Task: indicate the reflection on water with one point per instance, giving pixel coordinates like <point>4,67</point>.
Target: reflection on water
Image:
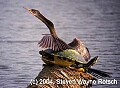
<point>96,22</point>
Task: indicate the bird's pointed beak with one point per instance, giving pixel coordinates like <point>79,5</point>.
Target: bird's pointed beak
<point>28,10</point>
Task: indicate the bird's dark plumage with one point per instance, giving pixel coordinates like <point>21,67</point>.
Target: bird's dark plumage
<point>54,42</point>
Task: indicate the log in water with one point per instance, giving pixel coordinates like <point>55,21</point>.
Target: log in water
<point>61,77</point>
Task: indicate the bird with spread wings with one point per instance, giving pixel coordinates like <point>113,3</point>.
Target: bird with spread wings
<point>52,41</point>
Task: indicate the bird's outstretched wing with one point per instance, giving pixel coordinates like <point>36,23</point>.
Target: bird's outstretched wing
<point>53,43</point>
<point>81,48</point>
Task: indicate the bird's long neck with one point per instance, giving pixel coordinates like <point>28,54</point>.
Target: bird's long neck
<point>48,23</point>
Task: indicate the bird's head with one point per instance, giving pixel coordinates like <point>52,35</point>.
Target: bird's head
<point>32,11</point>
<point>37,14</point>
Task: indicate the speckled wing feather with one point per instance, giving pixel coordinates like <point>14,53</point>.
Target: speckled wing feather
<point>81,48</point>
<point>53,43</point>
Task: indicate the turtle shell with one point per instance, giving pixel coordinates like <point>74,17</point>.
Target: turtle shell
<point>69,54</point>
<point>67,58</point>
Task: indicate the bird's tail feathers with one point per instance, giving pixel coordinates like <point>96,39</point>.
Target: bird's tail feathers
<point>98,74</point>
<point>92,62</point>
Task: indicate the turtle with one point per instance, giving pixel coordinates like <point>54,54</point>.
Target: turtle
<point>65,59</point>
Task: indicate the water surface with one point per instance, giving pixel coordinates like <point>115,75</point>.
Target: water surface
<point>95,22</point>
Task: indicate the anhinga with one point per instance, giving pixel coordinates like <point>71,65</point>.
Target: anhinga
<point>53,42</point>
